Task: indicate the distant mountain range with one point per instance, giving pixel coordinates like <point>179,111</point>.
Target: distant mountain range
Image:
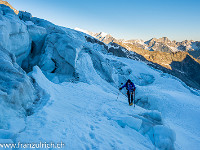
<point>162,44</point>
<point>181,59</point>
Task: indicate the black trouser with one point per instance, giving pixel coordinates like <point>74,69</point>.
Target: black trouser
<point>130,94</point>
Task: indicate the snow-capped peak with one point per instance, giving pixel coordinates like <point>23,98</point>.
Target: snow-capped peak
<point>81,30</point>
<point>104,34</point>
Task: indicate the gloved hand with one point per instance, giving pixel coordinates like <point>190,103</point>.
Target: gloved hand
<point>120,89</point>
<point>133,89</point>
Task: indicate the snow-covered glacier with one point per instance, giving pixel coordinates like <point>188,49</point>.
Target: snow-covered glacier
<point>61,85</point>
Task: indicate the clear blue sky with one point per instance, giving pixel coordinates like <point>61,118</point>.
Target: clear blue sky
<point>129,19</point>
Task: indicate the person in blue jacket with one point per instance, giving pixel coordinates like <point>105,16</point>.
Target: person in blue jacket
<point>130,88</point>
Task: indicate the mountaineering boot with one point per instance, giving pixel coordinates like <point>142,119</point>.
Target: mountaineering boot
<point>131,104</point>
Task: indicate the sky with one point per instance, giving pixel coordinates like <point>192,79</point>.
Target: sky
<point>124,19</point>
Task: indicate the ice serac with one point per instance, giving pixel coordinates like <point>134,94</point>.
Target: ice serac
<point>58,51</point>
<point>14,34</point>
<point>16,87</point>
<point>37,35</point>
<point>16,91</point>
<point>25,16</point>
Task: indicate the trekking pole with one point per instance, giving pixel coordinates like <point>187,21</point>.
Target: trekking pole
<point>134,98</point>
<point>118,92</point>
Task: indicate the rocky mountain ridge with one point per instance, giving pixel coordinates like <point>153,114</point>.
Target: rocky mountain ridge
<point>163,44</point>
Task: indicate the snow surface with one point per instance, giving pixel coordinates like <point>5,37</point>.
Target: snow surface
<point>103,34</point>
<point>174,49</point>
<point>92,116</point>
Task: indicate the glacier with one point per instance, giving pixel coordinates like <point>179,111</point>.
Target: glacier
<point>61,85</point>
